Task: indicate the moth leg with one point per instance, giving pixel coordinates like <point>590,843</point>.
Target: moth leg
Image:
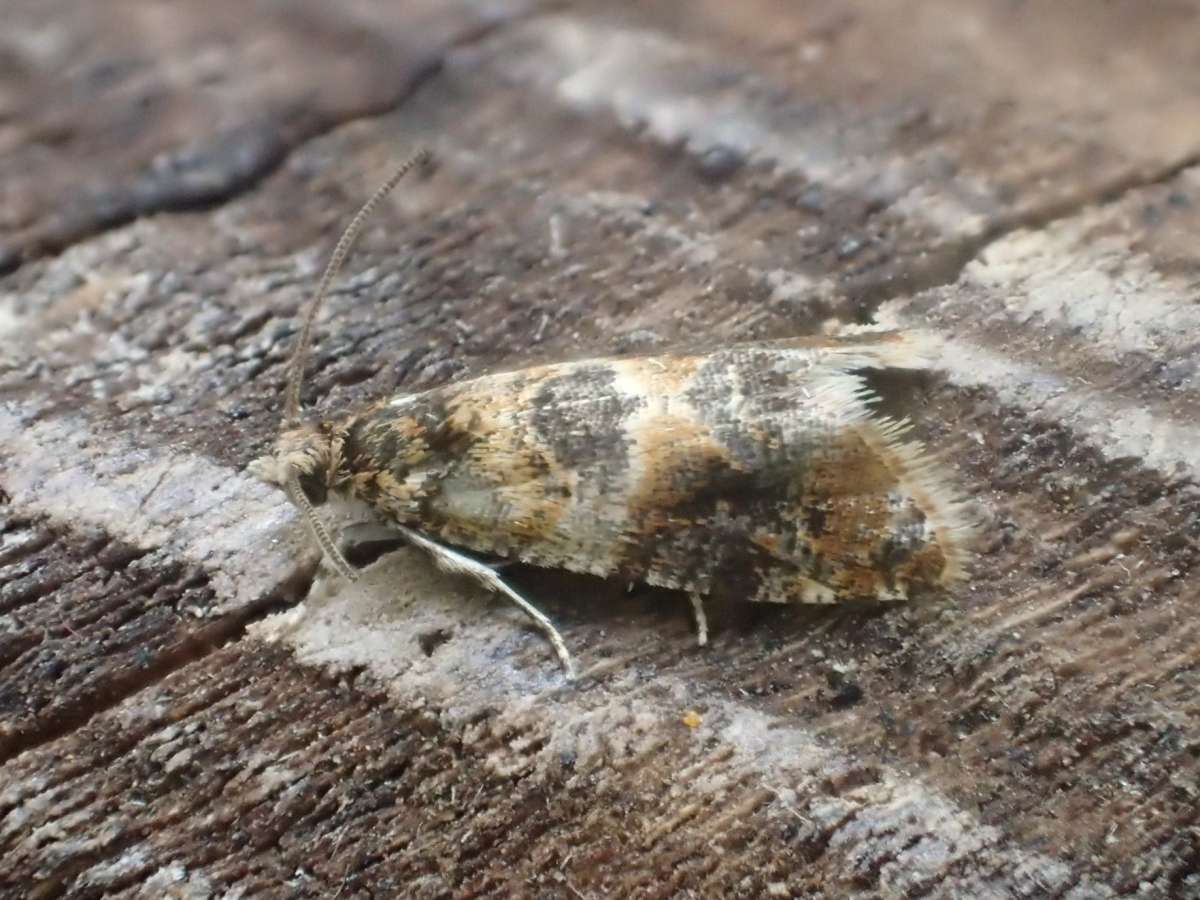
<point>453,561</point>
<point>701,619</point>
<point>359,533</point>
<point>364,533</point>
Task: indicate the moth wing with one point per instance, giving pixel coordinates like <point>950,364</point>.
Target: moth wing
<point>756,471</point>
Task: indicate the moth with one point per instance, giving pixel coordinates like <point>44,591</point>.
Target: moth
<point>756,471</point>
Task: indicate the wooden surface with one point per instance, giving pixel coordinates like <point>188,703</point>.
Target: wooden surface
<point>184,712</point>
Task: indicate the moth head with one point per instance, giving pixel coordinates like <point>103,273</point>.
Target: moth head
<point>308,464</point>
<point>308,461</point>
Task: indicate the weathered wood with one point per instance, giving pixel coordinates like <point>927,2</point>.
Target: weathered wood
<point>127,109</point>
<point>1018,178</point>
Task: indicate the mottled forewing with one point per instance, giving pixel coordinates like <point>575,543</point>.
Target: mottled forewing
<point>755,472</point>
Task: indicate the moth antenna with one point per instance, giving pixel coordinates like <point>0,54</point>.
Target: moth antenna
<point>340,252</point>
<point>319,532</point>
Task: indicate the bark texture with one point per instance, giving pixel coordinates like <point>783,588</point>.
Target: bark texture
<point>186,711</point>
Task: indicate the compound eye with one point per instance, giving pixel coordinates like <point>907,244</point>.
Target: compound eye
<point>314,489</point>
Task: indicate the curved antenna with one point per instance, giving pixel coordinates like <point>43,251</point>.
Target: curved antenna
<point>319,532</point>
<point>291,409</point>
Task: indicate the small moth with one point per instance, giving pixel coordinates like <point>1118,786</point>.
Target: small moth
<point>757,471</point>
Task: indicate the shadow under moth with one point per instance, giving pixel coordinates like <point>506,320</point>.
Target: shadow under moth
<point>757,472</point>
